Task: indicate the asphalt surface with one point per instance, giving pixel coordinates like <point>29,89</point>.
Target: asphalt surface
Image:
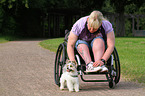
<point>26,69</point>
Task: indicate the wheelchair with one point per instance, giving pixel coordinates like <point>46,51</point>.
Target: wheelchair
<point>113,65</point>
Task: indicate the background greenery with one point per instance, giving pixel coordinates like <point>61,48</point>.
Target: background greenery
<point>131,54</point>
<point>27,17</point>
<point>132,57</point>
<point>3,40</point>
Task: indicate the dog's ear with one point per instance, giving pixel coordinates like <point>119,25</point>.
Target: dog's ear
<point>66,61</point>
<point>64,67</point>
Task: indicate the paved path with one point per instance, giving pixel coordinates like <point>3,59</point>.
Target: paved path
<point>26,69</point>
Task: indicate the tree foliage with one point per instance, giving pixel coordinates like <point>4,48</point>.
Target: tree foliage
<point>120,5</point>
<point>11,3</point>
<point>15,12</point>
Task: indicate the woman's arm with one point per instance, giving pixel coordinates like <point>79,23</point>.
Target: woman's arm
<point>70,46</point>
<point>110,45</point>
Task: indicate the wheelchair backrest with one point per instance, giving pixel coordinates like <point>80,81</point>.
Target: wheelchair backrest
<point>66,35</point>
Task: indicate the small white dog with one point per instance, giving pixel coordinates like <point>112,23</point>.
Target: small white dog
<point>69,77</point>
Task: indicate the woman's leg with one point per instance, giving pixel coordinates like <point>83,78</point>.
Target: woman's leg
<point>98,48</point>
<point>83,50</point>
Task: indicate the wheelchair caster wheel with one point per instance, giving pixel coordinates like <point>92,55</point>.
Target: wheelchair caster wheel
<point>78,67</point>
<point>112,84</point>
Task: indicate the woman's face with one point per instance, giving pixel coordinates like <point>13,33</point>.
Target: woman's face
<point>91,29</point>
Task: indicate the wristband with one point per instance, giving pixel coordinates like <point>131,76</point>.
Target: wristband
<point>103,61</point>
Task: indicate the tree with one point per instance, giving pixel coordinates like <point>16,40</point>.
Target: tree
<point>8,13</point>
<point>17,9</point>
<point>119,6</point>
<point>11,3</point>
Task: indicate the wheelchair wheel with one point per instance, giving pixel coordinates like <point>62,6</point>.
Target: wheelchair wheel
<point>115,69</point>
<point>59,63</point>
<point>112,84</point>
<point>117,66</point>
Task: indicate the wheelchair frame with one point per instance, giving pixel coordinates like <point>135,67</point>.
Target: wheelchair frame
<point>113,65</point>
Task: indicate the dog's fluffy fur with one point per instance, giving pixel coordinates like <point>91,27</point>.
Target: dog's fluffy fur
<point>70,77</point>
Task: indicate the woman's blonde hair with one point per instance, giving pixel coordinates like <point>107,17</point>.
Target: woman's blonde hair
<point>95,19</point>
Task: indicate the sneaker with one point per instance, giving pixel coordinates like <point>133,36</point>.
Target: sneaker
<point>104,69</point>
<point>91,68</point>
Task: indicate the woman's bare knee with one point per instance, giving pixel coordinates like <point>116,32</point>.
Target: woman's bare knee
<point>98,45</point>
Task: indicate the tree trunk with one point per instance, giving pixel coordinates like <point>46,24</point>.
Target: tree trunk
<point>120,25</point>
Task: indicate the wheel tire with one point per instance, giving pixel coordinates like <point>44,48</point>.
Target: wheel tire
<point>112,84</point>
<point>117,66</point>
<point>59,63</point>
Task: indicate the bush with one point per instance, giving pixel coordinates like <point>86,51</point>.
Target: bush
<point>9,27</point>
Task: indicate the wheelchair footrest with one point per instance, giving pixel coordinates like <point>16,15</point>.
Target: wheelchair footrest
<point>87,80</point>
<point>108,79</point>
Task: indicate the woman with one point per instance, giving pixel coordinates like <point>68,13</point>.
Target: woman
<point>86,34</point>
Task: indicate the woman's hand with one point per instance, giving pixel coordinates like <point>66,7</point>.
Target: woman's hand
<point>98,63</point>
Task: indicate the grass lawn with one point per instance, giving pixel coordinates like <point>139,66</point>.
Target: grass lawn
<point>51,44</point>
<point>132,57</point>
<point>3,40</point>
<point>131,53</point>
